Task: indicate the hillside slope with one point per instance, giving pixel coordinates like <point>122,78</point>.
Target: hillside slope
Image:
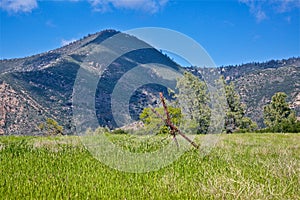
<point>41,86</point>
<point>47,80</point>
<point>258,82</point>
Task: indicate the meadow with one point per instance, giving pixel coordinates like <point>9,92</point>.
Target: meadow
<point>240,166</point>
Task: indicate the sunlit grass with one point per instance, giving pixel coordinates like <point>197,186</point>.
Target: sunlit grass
<point>241,166</point>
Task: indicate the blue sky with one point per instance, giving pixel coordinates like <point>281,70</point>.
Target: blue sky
<point>232,32</point>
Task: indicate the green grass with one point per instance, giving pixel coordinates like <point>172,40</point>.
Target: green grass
<point>241,166</point>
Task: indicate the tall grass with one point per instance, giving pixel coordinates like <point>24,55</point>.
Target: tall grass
<point>244,166</point>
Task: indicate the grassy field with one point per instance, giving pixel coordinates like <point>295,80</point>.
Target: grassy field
<point>241,166</point>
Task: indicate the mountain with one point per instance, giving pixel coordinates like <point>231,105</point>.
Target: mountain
<point>41,86</point>
<point>260,81</point>
<point>38,87</point>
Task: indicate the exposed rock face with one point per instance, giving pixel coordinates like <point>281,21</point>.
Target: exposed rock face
<point>133,126</point>
<point>296,105</point>
<point>18,112</point>
<point>296,102</point>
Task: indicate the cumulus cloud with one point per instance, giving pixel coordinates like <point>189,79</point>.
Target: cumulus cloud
<point>150,6</point>
<point>16,6</point>
<point>259,8</point>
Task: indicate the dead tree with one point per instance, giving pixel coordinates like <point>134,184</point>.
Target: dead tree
<point>173,129</point>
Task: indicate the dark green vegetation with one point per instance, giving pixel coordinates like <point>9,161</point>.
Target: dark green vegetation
<point>279,117</point>
<point>241,166</point>
<point>236,119</point>
<point>193,99</point>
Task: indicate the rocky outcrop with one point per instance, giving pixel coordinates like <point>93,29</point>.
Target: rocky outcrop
<point>19,113</point>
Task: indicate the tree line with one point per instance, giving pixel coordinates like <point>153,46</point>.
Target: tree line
<point>192,110</point>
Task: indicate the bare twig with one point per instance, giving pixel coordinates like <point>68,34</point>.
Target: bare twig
<point>170,125</point>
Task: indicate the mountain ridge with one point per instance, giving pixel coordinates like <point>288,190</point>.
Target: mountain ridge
<point>40,86</point>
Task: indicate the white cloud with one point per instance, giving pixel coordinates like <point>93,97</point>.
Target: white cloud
<point>66,42</point>
<point>15,6</point>
<point>284,6</point>
<point>50,24</point>
<point>150,6</point>
<point>259,8</point>
<point>256,9</point>
<point>260,15</point>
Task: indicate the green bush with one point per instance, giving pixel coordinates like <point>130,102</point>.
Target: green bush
<point>154,123</point>
<point>119,131</point>
<point>51,127</point>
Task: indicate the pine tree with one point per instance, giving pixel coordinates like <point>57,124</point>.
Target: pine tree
<point>235,119</point>
<point>278,117</point>
<point>194,102</point>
